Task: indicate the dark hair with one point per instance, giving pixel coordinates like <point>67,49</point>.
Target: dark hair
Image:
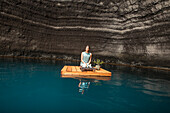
<point>88,46</point>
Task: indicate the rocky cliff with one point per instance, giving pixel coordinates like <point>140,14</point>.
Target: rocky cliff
<point>123,31</point>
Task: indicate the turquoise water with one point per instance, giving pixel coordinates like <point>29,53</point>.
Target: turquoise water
<point>35,86</point>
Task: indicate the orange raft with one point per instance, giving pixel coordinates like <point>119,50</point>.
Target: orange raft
<point>75,70</point>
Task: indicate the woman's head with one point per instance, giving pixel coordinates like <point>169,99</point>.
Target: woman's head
<point>87,48</point>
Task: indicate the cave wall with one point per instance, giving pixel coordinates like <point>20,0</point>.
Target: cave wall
<point>122,31</point>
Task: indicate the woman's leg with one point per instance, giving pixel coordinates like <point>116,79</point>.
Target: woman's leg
<point>89,65</point>
<point>83,65</point>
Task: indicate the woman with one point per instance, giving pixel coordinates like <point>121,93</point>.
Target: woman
<point>86,57</point>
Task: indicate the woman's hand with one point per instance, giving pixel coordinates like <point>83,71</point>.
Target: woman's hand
<point>85,63</point>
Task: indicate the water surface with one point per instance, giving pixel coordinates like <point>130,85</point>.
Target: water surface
<point>36,86</point>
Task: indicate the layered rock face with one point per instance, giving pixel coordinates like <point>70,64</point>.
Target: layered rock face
<point>128,31</point>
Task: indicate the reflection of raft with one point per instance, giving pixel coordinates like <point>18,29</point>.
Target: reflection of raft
<point>76,71</point>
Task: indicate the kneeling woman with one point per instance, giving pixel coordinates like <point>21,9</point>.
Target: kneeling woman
<point>86,57</point>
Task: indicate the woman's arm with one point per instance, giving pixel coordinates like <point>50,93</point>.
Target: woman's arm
<point>90,58</point>
<point>82,57</point>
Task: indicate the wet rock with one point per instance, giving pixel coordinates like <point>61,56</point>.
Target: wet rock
<point>121,31</point>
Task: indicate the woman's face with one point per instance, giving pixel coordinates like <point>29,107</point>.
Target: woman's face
<point>87,48</point>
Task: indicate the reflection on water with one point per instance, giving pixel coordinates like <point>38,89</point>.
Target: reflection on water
<point>157,87</point>
<point>148,81</point>
<point>83,85</point>
<point>85,81</point>
<point>35,85</point>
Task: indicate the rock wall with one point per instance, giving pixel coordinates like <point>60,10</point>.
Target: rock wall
<point>122,31</point>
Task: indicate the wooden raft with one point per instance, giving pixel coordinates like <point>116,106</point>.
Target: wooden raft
<point>75,71</point>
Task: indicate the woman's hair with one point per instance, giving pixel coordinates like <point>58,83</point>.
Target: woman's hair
<point>88,46</point>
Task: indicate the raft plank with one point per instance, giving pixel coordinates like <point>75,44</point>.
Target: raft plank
<point>78,68</point>
<point>89,77</point>
<point>75,70</point>
<point>103,70</point>
<point>69,69</point>
<point>64,68</point>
